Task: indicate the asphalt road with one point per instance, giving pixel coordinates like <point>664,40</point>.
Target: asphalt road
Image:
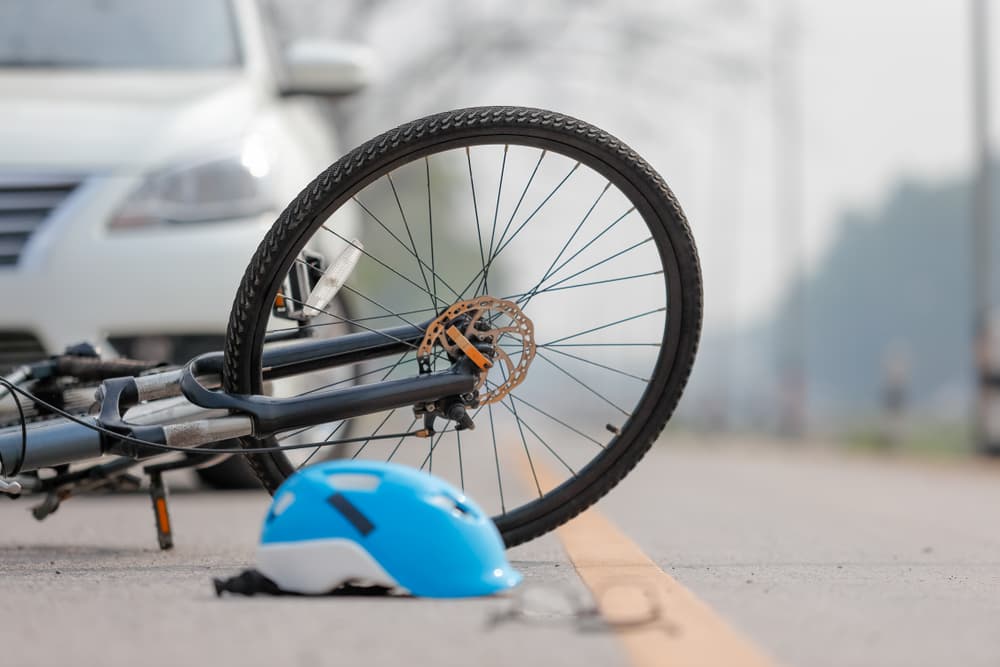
<point>818,559</point>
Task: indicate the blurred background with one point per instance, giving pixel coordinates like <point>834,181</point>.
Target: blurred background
<point>833,159</point>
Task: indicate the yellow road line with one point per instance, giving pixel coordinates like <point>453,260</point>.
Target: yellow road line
<point>627,586</point>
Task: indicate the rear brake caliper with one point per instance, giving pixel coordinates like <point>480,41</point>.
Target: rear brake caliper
<point>490,333</point>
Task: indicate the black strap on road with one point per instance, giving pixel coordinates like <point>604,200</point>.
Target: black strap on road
<point>252,582</point>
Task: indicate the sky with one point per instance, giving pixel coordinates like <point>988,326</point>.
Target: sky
<point>884,96</point>
<point>887,97</point>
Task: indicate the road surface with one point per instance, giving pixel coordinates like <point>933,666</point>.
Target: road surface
<point>810,558</point>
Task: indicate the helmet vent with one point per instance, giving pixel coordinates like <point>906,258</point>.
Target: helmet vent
<point>449,504</point>
<point>283,502</point>
<point>354,481</point>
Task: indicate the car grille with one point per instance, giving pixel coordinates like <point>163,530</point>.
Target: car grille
<point>18,348</point>
<point>25,202</point>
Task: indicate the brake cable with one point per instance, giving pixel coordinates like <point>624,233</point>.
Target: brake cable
<point>24,427</point>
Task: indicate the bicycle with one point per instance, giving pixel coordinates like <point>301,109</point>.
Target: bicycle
<point>532,352</point>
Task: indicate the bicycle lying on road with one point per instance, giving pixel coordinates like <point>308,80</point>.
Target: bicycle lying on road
<point>525,313</point>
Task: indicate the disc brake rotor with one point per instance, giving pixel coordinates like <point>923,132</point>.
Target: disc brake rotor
<point>477,321</point>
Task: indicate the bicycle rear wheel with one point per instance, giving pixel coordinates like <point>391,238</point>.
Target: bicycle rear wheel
<point>513,205</point>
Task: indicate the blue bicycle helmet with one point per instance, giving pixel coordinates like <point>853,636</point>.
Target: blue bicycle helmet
<point>370,523</point>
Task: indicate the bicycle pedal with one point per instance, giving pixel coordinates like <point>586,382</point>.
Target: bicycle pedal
<point>333,278</point>
<point>158,494</point>
<point>10,487</point>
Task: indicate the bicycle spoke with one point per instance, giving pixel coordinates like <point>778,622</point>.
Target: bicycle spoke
<point>592,241</point>
<point>475,207</point>
<point>420,263</point>
<point>461,467</point>
<point>524,441</point>
<point>557,420</point>
<point>502,243</point>
<point>375,432</point>
<point>375,303</point>
<point>517,297</point>
<point>409,234</point>
<point>430,224</point>
<point>362,295</point>
<point>353,320</point>
<point>326,440</point>
<point>396,448</point>
<point>429,459</point>
<point>602,262</point>
<point>605,326</point>
<point>510,408</point>
<point>393,313</point>
<point>344,319</point>
<point>586,386</point>
<point>367,254</point>
<point>524,302</point>
<point>594,363</point>
<point>391,368</point>
<point>517,207</point>
<point>551,345</point>
<point>496,457</point>
<point>576,230</point>
<point>493,227</point>
<point>475,278</point>
<point>496,208</point>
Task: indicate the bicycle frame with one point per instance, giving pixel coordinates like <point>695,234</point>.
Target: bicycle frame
<point>62,441</point>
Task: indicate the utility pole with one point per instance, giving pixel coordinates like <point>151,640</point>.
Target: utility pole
<point>791,339</point>
<point>982,215</point>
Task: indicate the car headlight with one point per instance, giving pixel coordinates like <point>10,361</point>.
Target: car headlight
<point>216,189</point>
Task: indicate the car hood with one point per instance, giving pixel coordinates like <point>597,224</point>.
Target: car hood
<point>119,122</point>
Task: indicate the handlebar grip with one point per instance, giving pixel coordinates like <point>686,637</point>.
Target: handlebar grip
<point>93,368</point>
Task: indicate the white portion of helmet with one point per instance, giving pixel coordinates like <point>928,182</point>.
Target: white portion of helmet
<point>314,567</point>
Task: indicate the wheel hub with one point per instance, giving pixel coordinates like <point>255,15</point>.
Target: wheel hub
<point>474,328</point>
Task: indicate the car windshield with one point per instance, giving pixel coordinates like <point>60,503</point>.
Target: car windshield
<point>148,34</point>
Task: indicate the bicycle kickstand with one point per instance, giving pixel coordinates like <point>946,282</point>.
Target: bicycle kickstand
<point>158,494</point>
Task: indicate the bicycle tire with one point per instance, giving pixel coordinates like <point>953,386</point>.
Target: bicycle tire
<point>579,140</point>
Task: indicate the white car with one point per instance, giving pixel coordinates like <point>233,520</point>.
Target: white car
<point>145,148</point>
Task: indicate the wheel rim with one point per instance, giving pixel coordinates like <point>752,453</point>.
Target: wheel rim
<point>567,235</point>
